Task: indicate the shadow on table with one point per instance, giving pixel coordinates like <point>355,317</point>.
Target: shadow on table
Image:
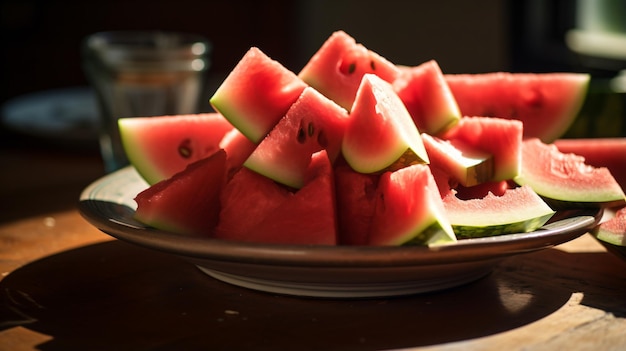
<point>114,295</point>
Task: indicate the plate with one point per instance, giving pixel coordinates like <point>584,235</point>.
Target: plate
<point>322,271</point>
<point>67,114</point>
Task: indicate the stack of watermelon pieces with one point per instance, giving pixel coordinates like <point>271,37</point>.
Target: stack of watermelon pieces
<point>356,150</point>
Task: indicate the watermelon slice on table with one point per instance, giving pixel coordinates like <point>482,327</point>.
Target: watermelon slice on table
<point>565,178</point>
<point>337,68</point>
<point>311,124</point>
<point>499,137</point>
<point>517,210</point>
<point>427,97</point>
<point>418,219</point>
<point>257,209</point>
<point>159,147</point>
<point>612,233</point>
<point>547,103</point>
<point>380,134</point>
<point>256,94</point>
<point>188,202</point>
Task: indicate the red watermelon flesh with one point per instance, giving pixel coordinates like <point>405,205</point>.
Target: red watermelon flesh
<point>159,147</point>
<point>427,97</point>
<point>256,209</point>
<point>566,177</point>
<point>336,69</point>
<point>311,124</point>
<point>479,191</point>
<point>599,152</point>
<point>308,217</point>
<point>418,219</point>
<point>256,94</point>
<point>188,202</point>
<point>499,137</point>
<point>547,103</point>
<point>355,204</point>
<point>245,200</point>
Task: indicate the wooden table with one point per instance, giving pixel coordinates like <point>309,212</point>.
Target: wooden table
<point>67,286</point>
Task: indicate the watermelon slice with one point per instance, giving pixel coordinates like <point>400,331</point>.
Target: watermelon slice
<point>427,97</point>
<point>418,219</point>
<point>566,177</point>
<point>312,123</point>
<point>256,209</point>
<point>547,103</point>
<point>380,134</point>
<point>336,69</point>
<point>188,202</point>
<point>256,94</point>
<point>518,210</point>
<point>599,152</point>
<point>499,137</point>
<point>159,147</point>
<point>466,165</point>
<point>613,230</point>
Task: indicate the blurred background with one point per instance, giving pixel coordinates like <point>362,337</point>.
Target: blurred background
<point>41,38</point>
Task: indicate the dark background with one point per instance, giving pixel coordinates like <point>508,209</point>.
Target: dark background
<point>41,38</point>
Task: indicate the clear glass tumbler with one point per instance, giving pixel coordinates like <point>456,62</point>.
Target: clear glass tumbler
<point>141,74</point>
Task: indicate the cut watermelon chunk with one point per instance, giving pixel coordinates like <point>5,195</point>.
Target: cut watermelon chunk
<point>312,123</point>
<point>380,134</point>
<point>547,103</point>
<point>466,165</point>
<point>256,94</point>
<point>518,210</point>
<point>257,209</point>
<point>418,219</point>
<point>188,202</point>
<point>566,177</point>
<point>428,98</point>
<point>613,230</point>
<point>159,147</point>
<point>499,137</point>
<point>337,68</point>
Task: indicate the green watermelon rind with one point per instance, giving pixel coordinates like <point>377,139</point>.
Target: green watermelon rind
<point>609,236</point>
<point>524,226</point>
<point>438,232</point>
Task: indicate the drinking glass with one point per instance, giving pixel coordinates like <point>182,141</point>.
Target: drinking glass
<point>142,74</point>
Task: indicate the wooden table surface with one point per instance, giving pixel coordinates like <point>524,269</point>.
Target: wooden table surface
<point>67,286</point>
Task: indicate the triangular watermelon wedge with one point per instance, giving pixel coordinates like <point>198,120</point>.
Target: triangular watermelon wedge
<point>311,124</point>
<point>187,203</point>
